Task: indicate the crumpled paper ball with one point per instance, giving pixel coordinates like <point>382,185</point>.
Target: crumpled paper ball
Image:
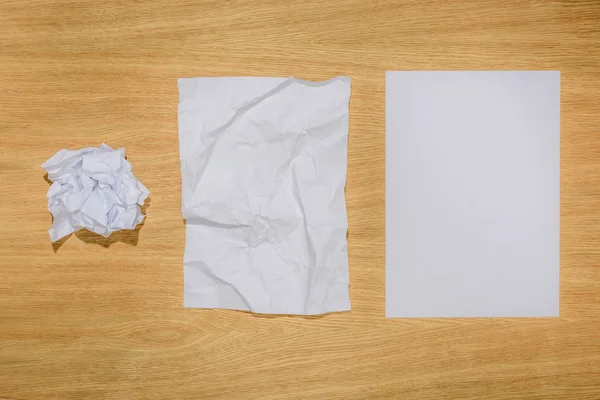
<point>95,189</point>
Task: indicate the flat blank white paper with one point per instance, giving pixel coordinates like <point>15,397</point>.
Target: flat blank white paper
<point>472,193</point>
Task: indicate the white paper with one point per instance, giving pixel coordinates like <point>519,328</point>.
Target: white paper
<point>95,189</point>
<point>472,211</point>
<point>263,164</point>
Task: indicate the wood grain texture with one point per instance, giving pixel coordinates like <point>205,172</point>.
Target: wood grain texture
<point>105,319</point>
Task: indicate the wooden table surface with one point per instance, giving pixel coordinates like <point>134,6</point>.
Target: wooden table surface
<point>104,318</point>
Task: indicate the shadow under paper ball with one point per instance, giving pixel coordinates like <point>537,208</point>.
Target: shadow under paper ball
<point>56,245</point>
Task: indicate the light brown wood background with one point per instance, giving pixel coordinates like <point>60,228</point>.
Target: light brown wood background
<point>105,319</point>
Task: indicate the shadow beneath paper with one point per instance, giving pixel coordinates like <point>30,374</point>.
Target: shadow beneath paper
<point>129,237</point>
<point>317,316</point>
<point>56,245</point>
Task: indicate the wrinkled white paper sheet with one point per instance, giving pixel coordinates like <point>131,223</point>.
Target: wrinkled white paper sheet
<point>95,189</point>
<point>472,193</point>
<point>263,163</point>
